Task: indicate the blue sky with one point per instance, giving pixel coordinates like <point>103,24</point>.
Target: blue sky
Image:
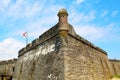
<point>96,20</point>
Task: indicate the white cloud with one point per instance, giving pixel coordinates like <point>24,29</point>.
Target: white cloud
<point>43,23</point>
<point>81,17</point>
<point>96,33</point>
<point>40,26</point>
<point>24,8</point>
<point>90,16</point>
<point>75,17</point>
<point>4,4</point>
<point>114,13</point>
<point>79,1</point>
<point>104,13</point>
<point>90,32</point>
<point>33,10</point>
<point>9,48</point>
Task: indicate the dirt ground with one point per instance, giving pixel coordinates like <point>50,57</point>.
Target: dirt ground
<point>115,79</point>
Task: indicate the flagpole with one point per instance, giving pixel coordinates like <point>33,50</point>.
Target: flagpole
<point>25,35</point>
<point>26,38</point>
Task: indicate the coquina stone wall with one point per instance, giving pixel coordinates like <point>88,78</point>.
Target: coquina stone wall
<point>60,54</point>
<point>84,61</point>
<point>7,67</point>
<point>41,59</point>
<point>115,66</point>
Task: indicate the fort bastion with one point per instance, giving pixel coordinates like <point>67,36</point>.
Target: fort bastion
<point>61,54</point>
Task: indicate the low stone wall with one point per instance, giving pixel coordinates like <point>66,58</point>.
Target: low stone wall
<point>115,66</point>
<point>7,67</point>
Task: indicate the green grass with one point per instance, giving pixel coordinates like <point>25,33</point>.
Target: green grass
<point>118,76</point>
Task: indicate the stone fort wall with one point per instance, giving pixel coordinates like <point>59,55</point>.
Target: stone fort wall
<point>41,60</point>
<point>61,54</point>
<point>85,61</point>
<point>62,58</point>
<point>115,66</point>
<point>7,68</point>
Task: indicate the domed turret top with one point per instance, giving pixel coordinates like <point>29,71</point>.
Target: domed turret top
<point>62,11</point>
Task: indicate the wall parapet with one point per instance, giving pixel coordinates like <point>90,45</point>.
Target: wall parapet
<point>115,66</point>
<point>8,61</point>
<point>114,60</point>
<point>51,33</point>
<point>88,43</point>
<point>42,38</point>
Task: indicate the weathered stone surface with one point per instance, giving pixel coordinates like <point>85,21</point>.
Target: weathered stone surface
<point>83,62</point>
<point>43,62</point>
<point>7,67</point>
<point>115,66</point>
<point>61,54</point>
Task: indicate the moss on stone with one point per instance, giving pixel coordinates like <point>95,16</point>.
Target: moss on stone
<point>117,76</point>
